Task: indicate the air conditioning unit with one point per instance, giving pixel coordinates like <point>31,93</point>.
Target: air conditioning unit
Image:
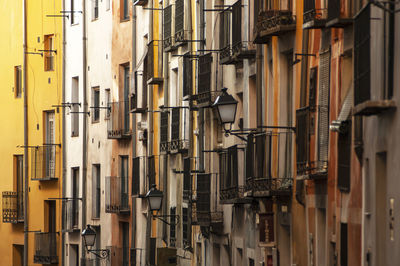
<point>142,135</point>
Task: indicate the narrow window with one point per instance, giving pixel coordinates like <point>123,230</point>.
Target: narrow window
<point>124,5</point>
<point>96,104</point>
<point>17,81</point>
<point>126,98</point>
<point>96,191</point>
<point>48,54</point>
<point>124,183</point>
<point>19,185</point>
<point>108,104</point>
<point>136,176</point>
<point>172,227</point>
<point>75,107</point>
<point>75,196</point>
<point>95,9</point>
<point>125,244</point>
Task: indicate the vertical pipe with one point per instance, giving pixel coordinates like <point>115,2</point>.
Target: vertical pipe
<point>133,231</point>
<point>26,182</point>
<point>259,76</point>
<point>64,169</point>
<point>84,130</point>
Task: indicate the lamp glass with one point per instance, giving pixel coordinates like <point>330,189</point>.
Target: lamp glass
<point>155,203</point>
<point>227,113</point>
<point>89,236</point>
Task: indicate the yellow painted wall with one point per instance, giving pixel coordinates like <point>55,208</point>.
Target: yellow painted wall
<point>11,115</point>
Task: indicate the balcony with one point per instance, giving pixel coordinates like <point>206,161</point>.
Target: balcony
<point>118,126</point>
<point>150,65</point>
<point>269,166</point>
<point>13,207</point>
<point>45,162</point>
<point>46,248</point>
<point>204,94</point>
<point>71,215</point>
<point>273,23</point>
<point>314,17</point>
<point>178,142</point>
<point>339,14</point>
<point>117,197</point>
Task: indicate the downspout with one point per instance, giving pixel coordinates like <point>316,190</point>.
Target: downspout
<point>26,181</point>
<point>64,169</point>
<point>150,140</point>
<point>84,130</point>
<point>259,76</point>
<point>133,231</point>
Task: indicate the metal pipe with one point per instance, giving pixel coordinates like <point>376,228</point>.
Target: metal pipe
<point>259,71</point>
<point>26,182</point>
<point>84,130</point>
<point>133,231</point>
<point>64,169</point>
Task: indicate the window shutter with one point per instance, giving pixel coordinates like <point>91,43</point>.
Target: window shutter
<point>151,171</point>
<point>153,246</point>
<point>232,178</point>
<point>186,228</point>
<point>237,23</point>
<point>145,77</point>
<point>203,192</point>
<point>167,17</point>
<point>224,32</point>
<point>136,176</point>
<point>302,137</point>
<point>250,156</point>
<point>333,9</point>
<point>150,61</point>
<point>223,170</point>
<point>344,159</point>
<point>187,76</point>
<point>323,112</point>
<point>313,87</point>
<point>187,178</point>
<point>204,77</point>
<point>362,60</point>
<point>179,18</point>
<point>175,124</point>
<point>164,128</point>
<point>172,227</point>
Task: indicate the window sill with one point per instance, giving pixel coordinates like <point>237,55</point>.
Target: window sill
<point>125,20</point>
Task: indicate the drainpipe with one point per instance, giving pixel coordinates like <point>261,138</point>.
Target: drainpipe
<point>26,181</point>
<point>259,76</point>
<point>84,130</point>
<point>64,169</point>
<point>133,231</point>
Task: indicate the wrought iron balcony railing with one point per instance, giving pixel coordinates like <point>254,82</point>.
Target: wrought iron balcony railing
<point>118,126</point>
<point>46,248</point>
<point>269,164</point>
<point>313,17</point>
<point>117,196</point>
<point>339,13</point>
<point>71,215</point>
<point>273,23</point>
<point>45,162</point>
<point>13,207</point>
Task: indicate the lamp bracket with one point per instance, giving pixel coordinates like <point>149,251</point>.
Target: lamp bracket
<point>163,219</point>
<point>100,253</point>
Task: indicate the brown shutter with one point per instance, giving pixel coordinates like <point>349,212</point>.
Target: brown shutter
<point>187,75</point>
<point>187,178</point>
<point>204,77</point>
<point>224,32</point>
<point>313,87</point>
<point>203,192</point>
<point>344,159</point>
<point>232,178</point>
<point>250,156</point>
<point>302,137</point>
<point>175,124</point>
<point>223,170</point>
<point>362,60</point>
<point>237,23</point>
<point>136,176</point>
<point>151,170</point>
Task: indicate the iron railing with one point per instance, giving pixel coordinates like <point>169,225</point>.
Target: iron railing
<point>118,126</point>
<point>45,162</point>
<point>227,194</point>
<point>269,164</point>
<point>13,207</point>
<point>46,248</point>
<point>274,22</point>
<point>117,197</point>
<point>314,14</point>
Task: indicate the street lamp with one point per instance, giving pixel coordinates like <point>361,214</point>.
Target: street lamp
<point>154,199</point>
<point>89,238</point>
<point>226,107</point>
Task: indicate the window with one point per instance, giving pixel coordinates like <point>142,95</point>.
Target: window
<point>172,227</point>
<point>187,179</point>
<point>164,131</point>
<point>17,82</point>
<point>204,76</point>
<point>19,185</point>
<point>179,20</point>
<point>126,97</point>
<point>344,158</point>
<point>75,107</point>
<point>124,183</point>
<point>186,232</point>
<point>266,227</point>
<point>175,124</point>
<point>167,27</point>
<point>125,244</point>
<point>136,176</point>
<point>96,188</point>
<point>151,172</point>
<point>187,76</point>
<point>96,104</point>
<point>48,52</point>
<point>108,104</point>
<point>74,13</point>
<point>124,6</point>
<point>343,244</point>
<point>203,193</point>
<point>50,147</point>
<point>75,196</point>
<point>95,9</point>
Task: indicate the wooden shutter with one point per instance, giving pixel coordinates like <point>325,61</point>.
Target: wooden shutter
<point>136,176</point>
<point>232,177</point>
<point>323,112</point>
<point>313,87</point>
<point>187,75</point>
<point>187,177</point>
<point>204,77</point>
<point>302,137</point>
<point>153,246</point>
<point>237,23</point>
<point>167,18</point>
<point>150,61</point>
<point>250,156</point>
<point>224,32</point>
<point>203,192</point>
<point>223,170</point>
<point>186,232</point>
<point>164,128</point>
<point>175,124</point>
<point>151,170</point>
<point>179,16</point>
<point>362,57</point>
<point>344,160</point>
